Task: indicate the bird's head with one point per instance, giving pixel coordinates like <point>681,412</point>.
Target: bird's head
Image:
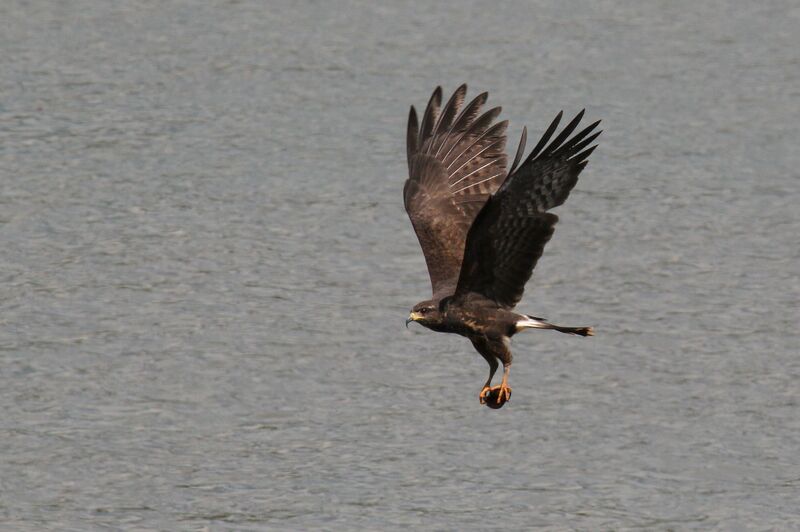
<point>425,313</point>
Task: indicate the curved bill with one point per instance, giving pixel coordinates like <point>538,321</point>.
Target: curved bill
<point>411,317</point>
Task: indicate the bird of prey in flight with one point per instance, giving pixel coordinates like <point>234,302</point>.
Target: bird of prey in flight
<point>482,226</point>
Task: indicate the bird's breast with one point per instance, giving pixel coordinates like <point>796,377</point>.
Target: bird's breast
<point>463,322</point>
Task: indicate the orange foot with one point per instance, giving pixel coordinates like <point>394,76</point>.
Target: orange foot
<point>504,394</point>
<point>482,396</point>
<point>496,397</point>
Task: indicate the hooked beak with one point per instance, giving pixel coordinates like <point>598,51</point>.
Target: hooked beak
<point>412,317</point>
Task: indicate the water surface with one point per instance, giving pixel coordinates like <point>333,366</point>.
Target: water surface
<point>206,267</point>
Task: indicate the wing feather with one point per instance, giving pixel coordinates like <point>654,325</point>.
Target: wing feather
<point>481,227</point>
<point>462,124</point>
<point>520,150</point>
<point>430,116</point>
<point>440,210</point>
<point>551,170</point>
<point>412,134</point>
<point>545,138</point>
<point>509,233</point>
<point>471,138</point>
<point>446,120</point>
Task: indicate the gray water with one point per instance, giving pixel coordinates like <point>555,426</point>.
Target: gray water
<point>206,267</point>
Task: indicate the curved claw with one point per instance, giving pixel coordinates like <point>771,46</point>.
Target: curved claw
<point>481,396</point>
<point>505,393</point>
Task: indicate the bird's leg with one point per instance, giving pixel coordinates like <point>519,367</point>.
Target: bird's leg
<point>492,369</point>
<point>505,391</point>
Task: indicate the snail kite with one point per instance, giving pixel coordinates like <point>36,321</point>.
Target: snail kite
<point>482,226</point>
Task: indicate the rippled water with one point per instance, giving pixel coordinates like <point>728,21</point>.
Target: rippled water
<point>206,267</point>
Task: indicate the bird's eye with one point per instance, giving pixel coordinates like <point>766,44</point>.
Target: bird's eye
<point>423,310</point>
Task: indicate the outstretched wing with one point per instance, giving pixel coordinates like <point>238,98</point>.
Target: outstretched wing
<point>509,235</point>
<point>456,160</point>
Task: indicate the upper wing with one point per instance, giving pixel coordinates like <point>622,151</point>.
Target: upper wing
<point>456,160</point>
<point>549,173</point>
<point>509,235</point>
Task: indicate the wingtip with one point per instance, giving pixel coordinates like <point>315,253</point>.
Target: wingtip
<point>520,149</point>
<point>584,155</point>
<point>413,123</point>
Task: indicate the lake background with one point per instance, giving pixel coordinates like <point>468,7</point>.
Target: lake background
<point>206,267</point>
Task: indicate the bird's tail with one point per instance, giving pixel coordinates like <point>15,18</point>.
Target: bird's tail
<point>532,322</point>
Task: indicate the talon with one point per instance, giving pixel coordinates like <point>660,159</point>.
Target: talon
<point>504,395</point>
<point>496,397</point>
<point>481,396</point>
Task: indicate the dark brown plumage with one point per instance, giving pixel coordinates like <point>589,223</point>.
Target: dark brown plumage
<point>482,227</point>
